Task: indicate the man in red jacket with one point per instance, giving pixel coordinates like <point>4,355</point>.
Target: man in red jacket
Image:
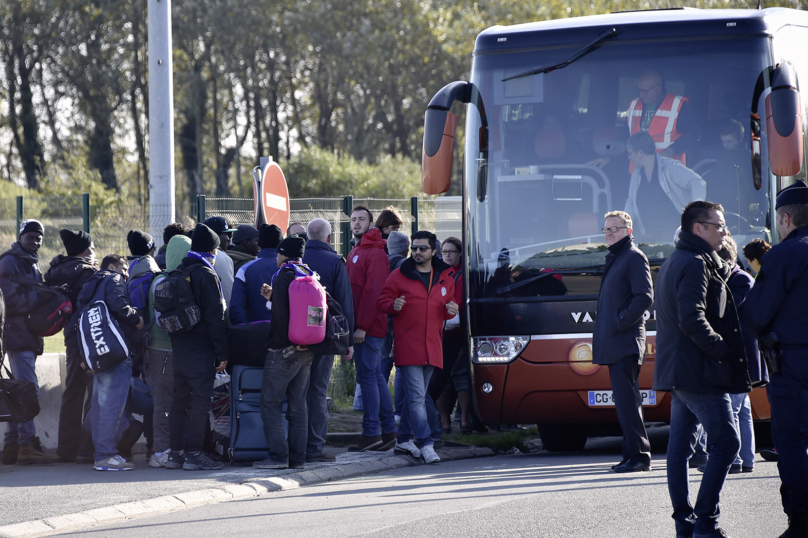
<point>418,295</point>
<point>367,270</point>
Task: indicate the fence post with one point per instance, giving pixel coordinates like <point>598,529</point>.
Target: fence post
<point>19,214</point>
<point>345,227</point>
<point>85,211</point>
<point>414,212</point>
<point>200,208</point>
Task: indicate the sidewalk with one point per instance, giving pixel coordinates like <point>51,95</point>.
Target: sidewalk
<point>45,499</point>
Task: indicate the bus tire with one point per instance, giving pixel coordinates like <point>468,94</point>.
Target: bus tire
<point>562,437</point>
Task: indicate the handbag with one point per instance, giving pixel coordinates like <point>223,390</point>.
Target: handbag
<point>18,399</point>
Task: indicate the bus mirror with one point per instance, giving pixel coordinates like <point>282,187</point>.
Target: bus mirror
<point>436,167</point>
<point>754,132</point>
<point>784,123</point>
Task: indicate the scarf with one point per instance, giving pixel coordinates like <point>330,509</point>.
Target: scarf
<point>16,250</point>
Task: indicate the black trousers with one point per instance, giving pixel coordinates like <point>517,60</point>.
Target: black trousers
<point>74,406</point>
<point>193,389</point>
<point>624,376</point>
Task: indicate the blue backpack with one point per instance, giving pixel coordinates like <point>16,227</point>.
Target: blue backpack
<point>139,291</point>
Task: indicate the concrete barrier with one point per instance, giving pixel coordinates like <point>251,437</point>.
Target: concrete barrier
<point>50,369</point>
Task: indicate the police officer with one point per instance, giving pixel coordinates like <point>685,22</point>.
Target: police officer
<point>777,305</point>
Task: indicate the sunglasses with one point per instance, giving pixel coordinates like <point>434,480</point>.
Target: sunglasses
<point>421,248</point>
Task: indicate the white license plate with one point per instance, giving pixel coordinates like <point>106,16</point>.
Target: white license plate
<point>604,398</point>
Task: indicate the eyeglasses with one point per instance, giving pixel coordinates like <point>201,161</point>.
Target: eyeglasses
<point>613,229</point>
<point>448,252</point>
<point>718,225</point>
<point>421,248</point>
<point>643,92</point>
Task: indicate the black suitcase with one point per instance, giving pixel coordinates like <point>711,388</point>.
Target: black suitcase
<point>247,440</point>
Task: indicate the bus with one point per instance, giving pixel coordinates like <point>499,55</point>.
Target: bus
<point>544,158</point>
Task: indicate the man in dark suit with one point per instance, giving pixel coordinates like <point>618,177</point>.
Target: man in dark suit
<point>619,337</point>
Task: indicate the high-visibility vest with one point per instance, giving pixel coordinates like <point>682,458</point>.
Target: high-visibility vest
<point>663,126</point>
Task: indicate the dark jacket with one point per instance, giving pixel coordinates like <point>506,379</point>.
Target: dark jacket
<point>71,272</point>
<point>323,259</point>
<point>279,328</point>
<point>211,331</point>
<point>246,303</point>
<point>699,346</point>
<point>779,300</point>
<point>160,257</point>
<point>368,268</point>
<point>111,286</point>
<point>625,294</point>
<point>240,256</point>
<point>418,326</point>
<point>740,284</point>
<point>20,299</point>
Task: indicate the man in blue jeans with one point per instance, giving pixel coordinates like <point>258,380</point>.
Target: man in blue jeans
<point>701,360</point>
<point>111,387</point>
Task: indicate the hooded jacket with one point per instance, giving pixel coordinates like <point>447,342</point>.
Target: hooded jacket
<point>699,344</point>
<point>367,270</point>
<point>177,248</point>
<point>247,304</point>
<point>19,298</point>
<point>418,326</point>
<point>72,272</point>
<point>141,264</point>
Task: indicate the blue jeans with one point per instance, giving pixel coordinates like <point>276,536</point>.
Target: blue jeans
<point>23,366</point>
<point>418,406</point>
<point>714,411</point>
<point>743,421</point>
<point>376,401</point>
<point>110,391</point>
<point>321,367</point>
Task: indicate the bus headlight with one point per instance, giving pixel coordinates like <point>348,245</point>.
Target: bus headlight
<point>498,349</point>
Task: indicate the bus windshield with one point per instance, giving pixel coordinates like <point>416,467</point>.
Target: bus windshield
<point>553,157</point>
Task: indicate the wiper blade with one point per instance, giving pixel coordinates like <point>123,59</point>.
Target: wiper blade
<point>593,270</point>
<point>575,57</point>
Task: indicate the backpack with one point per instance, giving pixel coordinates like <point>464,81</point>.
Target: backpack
<point>337,331</point>
<point>307,307</point>
<point>174,300</point>
<point>52,311</point>
<point>100,339</point>
<point>139,292</point>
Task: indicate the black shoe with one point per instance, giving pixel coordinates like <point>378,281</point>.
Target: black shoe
<point>176,460</point>
<point>735,468</point>
<point>388,442</point>
<point>632,466</point>
<point>747,469</point>
<point>696,462</point>
<point>622,462</point>
<point>770,455</point>
<point>325,457</point>
<point>297,465</point>
<point>199,461</point>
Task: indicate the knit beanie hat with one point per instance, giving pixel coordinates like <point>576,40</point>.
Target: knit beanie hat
<point>204,240</point>
<point>269,236</point>
<point>398,243</point>
<point>75,242</point>
<point>31,225</point>
<point>244,232</point>
<point>140,243</point>
<point>292,247</point>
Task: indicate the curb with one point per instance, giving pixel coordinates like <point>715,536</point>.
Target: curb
<point>249,489</point>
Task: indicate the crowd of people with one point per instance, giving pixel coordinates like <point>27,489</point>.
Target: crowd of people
<point>237,276</point>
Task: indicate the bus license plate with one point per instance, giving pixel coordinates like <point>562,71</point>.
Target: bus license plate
<point>604,398</point>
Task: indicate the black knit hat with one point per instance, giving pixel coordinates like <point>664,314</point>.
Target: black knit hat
<point>140,243</point>
<point>244,232</point>
<point>204,240</point>
<point>269,236</point>
<point>31,225</point>
<point>75,242</point>
<point>292,247</point>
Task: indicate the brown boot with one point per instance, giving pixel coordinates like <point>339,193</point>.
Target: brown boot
<point>30,454</point>
<point>368,442</point>
<point>388,442</point>
<point>10,453</point>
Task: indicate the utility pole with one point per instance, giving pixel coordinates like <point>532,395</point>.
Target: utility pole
<point>161,119</point>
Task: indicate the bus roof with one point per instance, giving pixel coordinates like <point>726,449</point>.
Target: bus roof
<point>652,24</point>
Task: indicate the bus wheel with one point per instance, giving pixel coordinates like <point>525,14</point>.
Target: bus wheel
<point>562,437</point>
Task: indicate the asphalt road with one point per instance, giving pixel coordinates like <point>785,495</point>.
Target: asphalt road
<point>541,494</point>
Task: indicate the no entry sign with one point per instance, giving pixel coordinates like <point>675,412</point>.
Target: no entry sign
<point>275,196</point>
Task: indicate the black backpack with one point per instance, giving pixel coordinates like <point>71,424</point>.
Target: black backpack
<point>174,300</point>
<point>52,311</point>
<point>336,330</point>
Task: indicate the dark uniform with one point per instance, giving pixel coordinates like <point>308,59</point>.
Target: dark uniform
<point>777,303</point>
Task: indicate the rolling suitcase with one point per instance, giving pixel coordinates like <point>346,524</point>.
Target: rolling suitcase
<point>247,440</point>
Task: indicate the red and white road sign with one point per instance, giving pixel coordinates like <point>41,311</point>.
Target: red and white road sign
<point>275,196</point>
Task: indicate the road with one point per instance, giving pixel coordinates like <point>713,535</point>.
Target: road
<point>541,494</point>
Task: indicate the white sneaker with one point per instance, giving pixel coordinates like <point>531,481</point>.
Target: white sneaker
<point>429,454</point>
<point>158,460</point>
<point>115,463</point>
<point>408,449</point>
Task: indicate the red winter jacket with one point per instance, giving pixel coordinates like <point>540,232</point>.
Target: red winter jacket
<point>418,327</point>
<point>367,270</point>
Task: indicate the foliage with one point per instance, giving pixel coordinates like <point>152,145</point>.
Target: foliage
<point>498,441</point>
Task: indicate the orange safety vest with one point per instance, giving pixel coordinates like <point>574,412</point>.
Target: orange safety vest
<point>663,126</point>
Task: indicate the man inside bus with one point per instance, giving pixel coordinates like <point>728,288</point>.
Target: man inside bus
<point>660,186</point>
<point>667,117</point>
<point>619,335</point>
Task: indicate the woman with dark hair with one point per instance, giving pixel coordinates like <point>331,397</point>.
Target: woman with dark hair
<point>389,220</point>
<point>754,251</point>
